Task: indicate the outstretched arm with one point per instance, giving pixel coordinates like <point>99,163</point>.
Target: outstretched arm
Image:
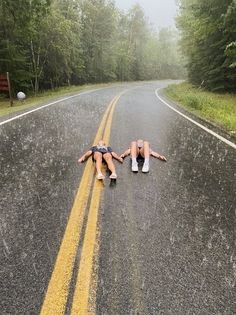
<point>117,157</point>
<point>158,156</point>
<point>85,156</point>
<point>126,153</point>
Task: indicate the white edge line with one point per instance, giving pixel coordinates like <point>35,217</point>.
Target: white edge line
<point>52,103</point>
<point>196,123</point>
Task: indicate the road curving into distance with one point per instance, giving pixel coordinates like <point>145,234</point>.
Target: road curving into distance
<point>157,243</point>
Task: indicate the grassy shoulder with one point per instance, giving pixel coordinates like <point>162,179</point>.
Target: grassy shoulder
<point>42,98</point>
<point>220,109</point>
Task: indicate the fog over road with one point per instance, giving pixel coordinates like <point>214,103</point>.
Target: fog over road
<point>165,240</point>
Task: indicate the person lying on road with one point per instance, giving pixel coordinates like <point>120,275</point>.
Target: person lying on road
<point>140,151</point>
<point>101,153</point>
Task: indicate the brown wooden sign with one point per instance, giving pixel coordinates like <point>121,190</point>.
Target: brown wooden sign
<point>5,85</point>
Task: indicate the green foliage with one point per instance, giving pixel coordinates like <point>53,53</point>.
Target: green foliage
<point>45,44</point>
<point>19,25</point>
<point>98,27</point>
<point>217,108</point>
<point>230,51</point>
<point>208,30</point>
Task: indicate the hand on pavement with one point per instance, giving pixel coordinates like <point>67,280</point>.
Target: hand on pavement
<point>81,160</point>
<point>161,157</point>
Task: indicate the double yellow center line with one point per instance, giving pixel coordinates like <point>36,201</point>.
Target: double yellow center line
<point>58,289</point>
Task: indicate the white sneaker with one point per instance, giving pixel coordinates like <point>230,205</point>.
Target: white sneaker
<point>145,168</point>
<point>100,176</point>
<point>135,167</point>
<point>113,176</point>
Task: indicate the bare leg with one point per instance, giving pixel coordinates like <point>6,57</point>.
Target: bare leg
<point>133,150</point>
<point>134,154</point>
<point>98,159</point>
<point>145,152</point>
<point>108,158</point>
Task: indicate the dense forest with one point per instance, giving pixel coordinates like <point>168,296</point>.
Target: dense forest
<point>49,43</point>
<point>208,39</point>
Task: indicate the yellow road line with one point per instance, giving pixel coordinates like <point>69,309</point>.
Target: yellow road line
<point>107,131</point>
<point>102,126</point>
<point>81,296</point>
<point>80,305</point>
<point>58,288</point>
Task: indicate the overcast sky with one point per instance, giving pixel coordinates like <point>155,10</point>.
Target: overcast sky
<point>161,13</point>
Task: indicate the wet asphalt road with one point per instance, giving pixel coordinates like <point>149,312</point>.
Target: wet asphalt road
<point>167,238</point>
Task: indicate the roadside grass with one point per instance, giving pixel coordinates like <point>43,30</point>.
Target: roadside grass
<point>219,109</point>
<point>40,98</point>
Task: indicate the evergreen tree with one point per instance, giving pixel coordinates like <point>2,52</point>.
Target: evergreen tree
<point>208,29</point>
<point>50,43</point>
<point>98,26</point>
